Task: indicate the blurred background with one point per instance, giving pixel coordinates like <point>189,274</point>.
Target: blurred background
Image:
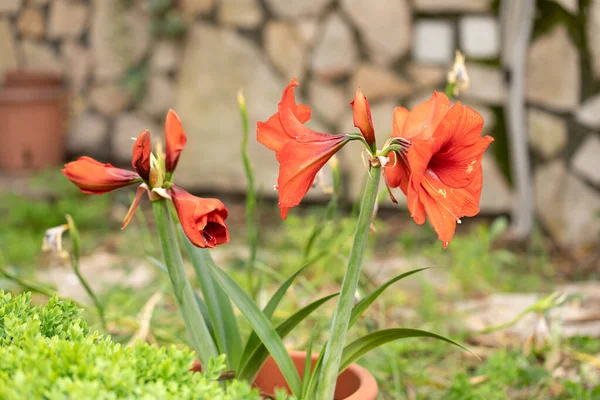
<point>82,77</point>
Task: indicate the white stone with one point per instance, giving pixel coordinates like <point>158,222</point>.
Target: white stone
<point>37,55</point>
<point>307,28</point>
<point>87,134</point>
<point>294,9</point>
<point>487,84</point>
<point>588,114</point>
<point>547,133</point>
<point>553,76</point>
<point>67,18</point>
<point>586,161</point>
<point>9,6</point>
<point>593,33</point>
<point>496,196</point>
<point>451,6</point>
<point>77,65</point>
<point>159,96</point>
<point>242,13</point>
<point>384,25</point>
<point>31,23</point>
<point>480,36</point>
<point>196,7</point>
<point>165,57</point>
<point>8,54</point>
<point>127,127</point>
<point>327,100</point>
<point>109,99</point>
<point>571,6</point>
<point>433,41</point>
<point>286,49</point>
<point>335,53</point>
<point>567,207</point>
<point>119,39</point>
<point>208,109</point>
<point>377,83</point>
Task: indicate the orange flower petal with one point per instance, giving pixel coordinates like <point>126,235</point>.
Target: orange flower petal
<point>458,146</point>
<point>361,113</point>
<point>202,220</point>
<point>397,172</point>
<point>175,140</point>
<point>93,177</point>
<point>299,164</point>
<point>399,118</point>
<point>424,118</point>
<point>301,152</point>
<point>140,159</point>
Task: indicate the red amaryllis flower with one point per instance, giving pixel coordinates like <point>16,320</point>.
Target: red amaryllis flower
<point>93,177</point>
<point>361,113</point>
<point>439,166</point>
<point>301,152</point>
<point>202,220</point>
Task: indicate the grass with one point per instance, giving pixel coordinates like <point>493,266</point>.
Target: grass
<point>473,266</point>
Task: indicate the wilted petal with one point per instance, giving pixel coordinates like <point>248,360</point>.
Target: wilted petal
<point>136,202</point>
<point>175,140</point>
<point>93,177</point>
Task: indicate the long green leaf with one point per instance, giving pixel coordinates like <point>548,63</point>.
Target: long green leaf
<point>362,346</point>
<point>253,341</point>
<point>260,354</point>
<point>358,309</point>
<point>308,363</point>
<point>220,310</point>
<point>163,268</point>
<point>363,304</point>
<point>184,293</point>
<point>262,326</point>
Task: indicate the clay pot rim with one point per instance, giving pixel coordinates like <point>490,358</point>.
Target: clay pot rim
<point>366,381</point>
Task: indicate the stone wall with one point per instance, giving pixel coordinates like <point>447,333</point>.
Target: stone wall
<point>123,76</point>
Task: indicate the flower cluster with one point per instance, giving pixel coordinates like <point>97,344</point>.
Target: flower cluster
<point>434,155</point>
<point>202,220</point>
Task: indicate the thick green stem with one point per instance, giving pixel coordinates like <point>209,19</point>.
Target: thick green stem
<point>341,317</point>
<point>196,326</point>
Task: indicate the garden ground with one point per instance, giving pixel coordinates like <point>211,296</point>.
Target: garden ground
<point>478,283</point>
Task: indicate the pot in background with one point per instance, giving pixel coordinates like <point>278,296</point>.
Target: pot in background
<point>33,107</point>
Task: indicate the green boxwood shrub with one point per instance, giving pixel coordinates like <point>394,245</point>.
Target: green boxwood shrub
<point>48,352</point>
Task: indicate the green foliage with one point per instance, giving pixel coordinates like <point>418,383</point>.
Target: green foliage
<point>507,373</point>
<point>166,21</point>
<point>25,218</point>
<point>49,352</point>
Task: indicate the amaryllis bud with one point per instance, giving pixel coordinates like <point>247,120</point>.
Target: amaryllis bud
<point>140,159</point>
<point>362,117</point>
<point>157,175</point>
<point>202,220</point>
<point>175,140</point>
<point>93,177</point>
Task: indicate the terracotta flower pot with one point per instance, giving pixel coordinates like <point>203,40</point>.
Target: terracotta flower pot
<point>355,383</point>
<point>32,121</point>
